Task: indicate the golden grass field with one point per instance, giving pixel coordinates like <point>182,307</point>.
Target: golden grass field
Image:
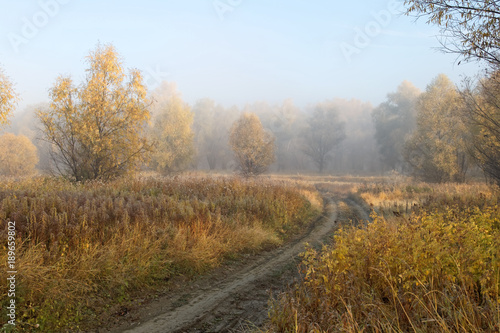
<point>84,248</point>
<point>429,262</point>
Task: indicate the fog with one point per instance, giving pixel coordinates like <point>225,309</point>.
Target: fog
<point>282,61</point>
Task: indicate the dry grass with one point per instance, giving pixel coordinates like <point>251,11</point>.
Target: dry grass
<point>82,248</point>
<point>406,197</point>
<point>435,270</point>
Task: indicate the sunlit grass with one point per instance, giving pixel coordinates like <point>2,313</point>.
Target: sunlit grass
<point>437,269</point>
<point>82,248</point>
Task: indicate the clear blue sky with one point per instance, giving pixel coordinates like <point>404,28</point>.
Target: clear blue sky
<point>233,51</point>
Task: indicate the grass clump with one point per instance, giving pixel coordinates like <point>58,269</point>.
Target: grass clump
<point>83,248</point>
<point>437,270</point>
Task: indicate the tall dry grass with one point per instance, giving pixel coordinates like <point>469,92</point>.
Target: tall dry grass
<point>436,270</point>
<point>82,248</point>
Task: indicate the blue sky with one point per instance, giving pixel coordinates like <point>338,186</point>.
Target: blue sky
<point>233,51</point>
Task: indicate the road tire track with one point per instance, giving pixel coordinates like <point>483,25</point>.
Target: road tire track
<point>192,316</point>
<point>238,301</point>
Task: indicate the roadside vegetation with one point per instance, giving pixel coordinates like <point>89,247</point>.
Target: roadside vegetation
<point>84,248</point>
<point>429,262</point>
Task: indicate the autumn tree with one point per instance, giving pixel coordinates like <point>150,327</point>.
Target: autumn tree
<point>437,149</point>
<point>469,28</point>
<point>8,98</point>
<point>323,133</point>
<point>172,135</point>
<point>18,155</point>
<point>96,129</point>
<point>394,120</point>
<point>211,126</point>
<point>482,113</point>
<point>253,147</point>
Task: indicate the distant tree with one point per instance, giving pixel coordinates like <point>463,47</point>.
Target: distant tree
<point>469,28</point>
<point>8,98</point>
<point>211,127</point>
<point>172,134</point>
<point>482,114</point>
<point>253,147</point>
<point>358,153</point>
<point>18,155</point>
<point>394,120</point>
<point>96,129</point>
<point>437,149</point>
<point>324,132</point>
<point>284,125</point>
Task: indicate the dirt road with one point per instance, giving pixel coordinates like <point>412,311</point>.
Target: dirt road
<point>234,300</point>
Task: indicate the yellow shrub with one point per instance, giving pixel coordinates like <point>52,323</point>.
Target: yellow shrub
<point>437,271</point>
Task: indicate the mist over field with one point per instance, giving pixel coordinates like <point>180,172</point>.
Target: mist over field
<point>243,166</point>
<point>290,65</point>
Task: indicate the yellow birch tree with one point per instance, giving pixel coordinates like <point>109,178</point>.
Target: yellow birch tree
<point>171,134</point>
<point>97,129</point>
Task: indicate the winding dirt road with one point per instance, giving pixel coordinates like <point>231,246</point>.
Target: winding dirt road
<point>239,299</point>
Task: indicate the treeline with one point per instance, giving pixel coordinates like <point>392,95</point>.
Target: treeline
<point>443,133</point>
<point>110,125</point>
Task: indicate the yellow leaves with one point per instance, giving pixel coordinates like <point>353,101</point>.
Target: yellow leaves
<point>426,261</point>
<point>252,145</point>
<point>97,128</point>
<point>8,98</point>
<point>172,134</point>
<point>18,155</point>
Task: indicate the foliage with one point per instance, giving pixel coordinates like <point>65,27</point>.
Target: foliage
<point>18,155</point>
<point>394,119</point>
<point>96,130</point>
<point>8,98</point>
<point>253,147</point>
<point>482,114</point>
<point>84,249</point>
<point>437,270</point>
<point>437,149</point>
<point>324,132</point>
<point>172,134</point>
<point>470,28</point>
